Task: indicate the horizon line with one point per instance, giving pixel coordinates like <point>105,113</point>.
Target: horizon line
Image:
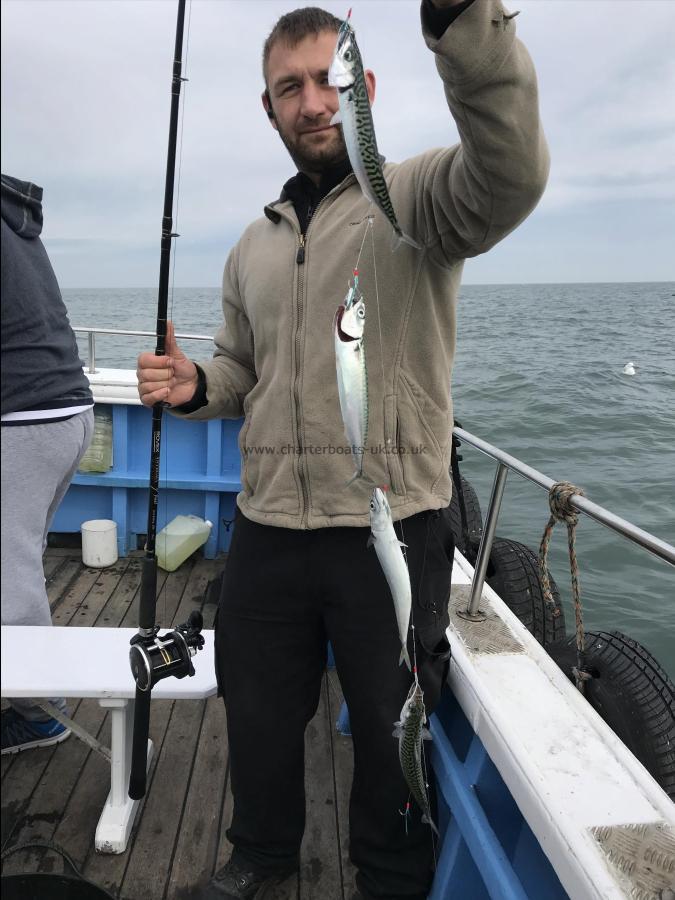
<point>147,287</point>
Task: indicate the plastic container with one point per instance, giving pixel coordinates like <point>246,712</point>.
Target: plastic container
<point>99,543</point>
<point>99,455</point>
<point>179,539</point>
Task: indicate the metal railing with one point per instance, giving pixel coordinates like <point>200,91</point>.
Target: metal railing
<point>92,332</point>
<point>505,461</point>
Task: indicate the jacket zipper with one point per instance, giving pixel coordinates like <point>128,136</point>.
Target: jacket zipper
<point>300,259</point>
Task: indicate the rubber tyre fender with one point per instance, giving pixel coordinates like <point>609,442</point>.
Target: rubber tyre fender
<point>632,693</point>
<point>474,519</point>
<point>513,572</point>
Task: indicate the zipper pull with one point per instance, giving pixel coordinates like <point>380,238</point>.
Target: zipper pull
<point>300,257</point>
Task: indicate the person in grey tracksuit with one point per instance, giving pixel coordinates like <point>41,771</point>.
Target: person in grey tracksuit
<point>47,425</point>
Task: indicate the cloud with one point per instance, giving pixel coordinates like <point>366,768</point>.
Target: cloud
<point>86,109</point>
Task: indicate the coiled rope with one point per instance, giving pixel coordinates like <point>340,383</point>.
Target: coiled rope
<point>560,503</point>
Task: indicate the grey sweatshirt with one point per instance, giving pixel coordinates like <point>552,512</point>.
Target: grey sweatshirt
<point>41,367</point>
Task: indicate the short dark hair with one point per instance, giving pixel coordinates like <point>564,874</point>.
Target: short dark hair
<point>297,25</point>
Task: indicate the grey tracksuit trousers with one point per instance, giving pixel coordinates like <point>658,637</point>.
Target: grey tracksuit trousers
<point>38,464</point>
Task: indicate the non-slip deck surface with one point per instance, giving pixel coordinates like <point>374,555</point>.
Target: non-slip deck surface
<point>56,794</point>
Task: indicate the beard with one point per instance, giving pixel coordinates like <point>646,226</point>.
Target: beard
<point>311,158</point>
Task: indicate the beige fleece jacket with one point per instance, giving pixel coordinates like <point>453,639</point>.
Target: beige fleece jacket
<point>274,361</point>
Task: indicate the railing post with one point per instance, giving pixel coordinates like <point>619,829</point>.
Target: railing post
<point>91,337</point>
<point>472,612</point>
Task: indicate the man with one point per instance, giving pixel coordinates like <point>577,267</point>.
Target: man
<point>298,571</point>
<point>47,424</point>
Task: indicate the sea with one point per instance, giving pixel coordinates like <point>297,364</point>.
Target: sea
<point>539,372</point>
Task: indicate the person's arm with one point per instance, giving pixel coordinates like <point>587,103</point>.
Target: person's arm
<point>475,193</point>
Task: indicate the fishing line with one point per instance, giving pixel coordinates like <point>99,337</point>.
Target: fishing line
<point>180,156</point>
<point>400,522</point>
<point>174,248</point>
<point>404,550</point>
<point>365,232</point>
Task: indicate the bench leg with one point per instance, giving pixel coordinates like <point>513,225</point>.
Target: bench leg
<point>117,818</point>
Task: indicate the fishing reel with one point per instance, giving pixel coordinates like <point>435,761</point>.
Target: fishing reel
<point>154,656</point>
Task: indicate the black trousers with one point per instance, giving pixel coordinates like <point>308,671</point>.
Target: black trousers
<point>285,593</point>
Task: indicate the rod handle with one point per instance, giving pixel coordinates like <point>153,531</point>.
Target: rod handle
<point>139,750</point>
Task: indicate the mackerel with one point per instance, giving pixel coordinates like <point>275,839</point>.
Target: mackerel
<point>410,732</point>
<point>347,75</point>
<point>390,554</point>
<point>352,377</point>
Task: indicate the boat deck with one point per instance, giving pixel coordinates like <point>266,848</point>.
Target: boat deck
<point>56,794</point>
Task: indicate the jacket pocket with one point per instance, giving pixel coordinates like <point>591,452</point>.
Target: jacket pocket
<point>246,478</point>
<point>392,444</point>
<point>425,436</point>
<point>216,655</point>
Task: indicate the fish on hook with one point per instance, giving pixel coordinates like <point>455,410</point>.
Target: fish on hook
<point>389,552</point>
<point>352,377</point>
<point>411,734</point>
<point>347,75</point>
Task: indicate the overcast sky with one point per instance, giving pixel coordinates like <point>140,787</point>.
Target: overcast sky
<point>85,110</point>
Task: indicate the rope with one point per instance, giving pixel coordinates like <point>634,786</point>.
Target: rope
<point>560,503</point>
<point>47,845</point>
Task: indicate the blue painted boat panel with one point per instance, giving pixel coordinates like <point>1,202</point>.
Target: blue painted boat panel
<point>488,850</point>
<point>199,475</point>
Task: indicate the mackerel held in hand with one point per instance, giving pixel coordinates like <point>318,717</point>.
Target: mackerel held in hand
<point>352,378</point>
<point>346,74</point>
<point>410,732</point>
<point>389,553</point>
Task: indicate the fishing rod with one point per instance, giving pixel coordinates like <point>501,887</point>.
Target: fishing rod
<point>153,656</point>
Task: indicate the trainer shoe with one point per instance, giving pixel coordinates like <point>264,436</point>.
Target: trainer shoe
<point>21,734</point>
<point>237,881</point>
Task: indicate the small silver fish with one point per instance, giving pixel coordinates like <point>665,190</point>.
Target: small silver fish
<point>410,732</point>
<point>389,553</point>
<point>346,74</point>
<point>352,377</point>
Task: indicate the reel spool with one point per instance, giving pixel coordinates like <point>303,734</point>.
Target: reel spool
<point>154,656</point>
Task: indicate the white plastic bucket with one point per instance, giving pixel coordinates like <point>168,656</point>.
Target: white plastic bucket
<point>99,543</point>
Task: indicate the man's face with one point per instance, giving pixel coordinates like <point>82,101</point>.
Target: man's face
<point>303,102</point>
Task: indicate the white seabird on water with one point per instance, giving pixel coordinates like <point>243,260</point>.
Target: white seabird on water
<point>629,368</point>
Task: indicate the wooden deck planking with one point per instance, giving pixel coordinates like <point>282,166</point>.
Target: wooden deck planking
<point>51,795</point>
<point>68,572</point>
<point>79,819</point>
<point>50,565</point>
<point>194,858</point>
<point>320,863</point>
<point>343,768</point>
<point>179,836</point>
<point>152,852</point>
<point>112,872</point>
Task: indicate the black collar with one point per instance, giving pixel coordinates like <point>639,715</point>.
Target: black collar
<point>306,196</point>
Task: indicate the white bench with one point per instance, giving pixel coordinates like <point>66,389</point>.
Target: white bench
<point>44,661</point>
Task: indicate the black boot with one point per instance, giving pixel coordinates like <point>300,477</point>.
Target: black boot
<point>239,881</point>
